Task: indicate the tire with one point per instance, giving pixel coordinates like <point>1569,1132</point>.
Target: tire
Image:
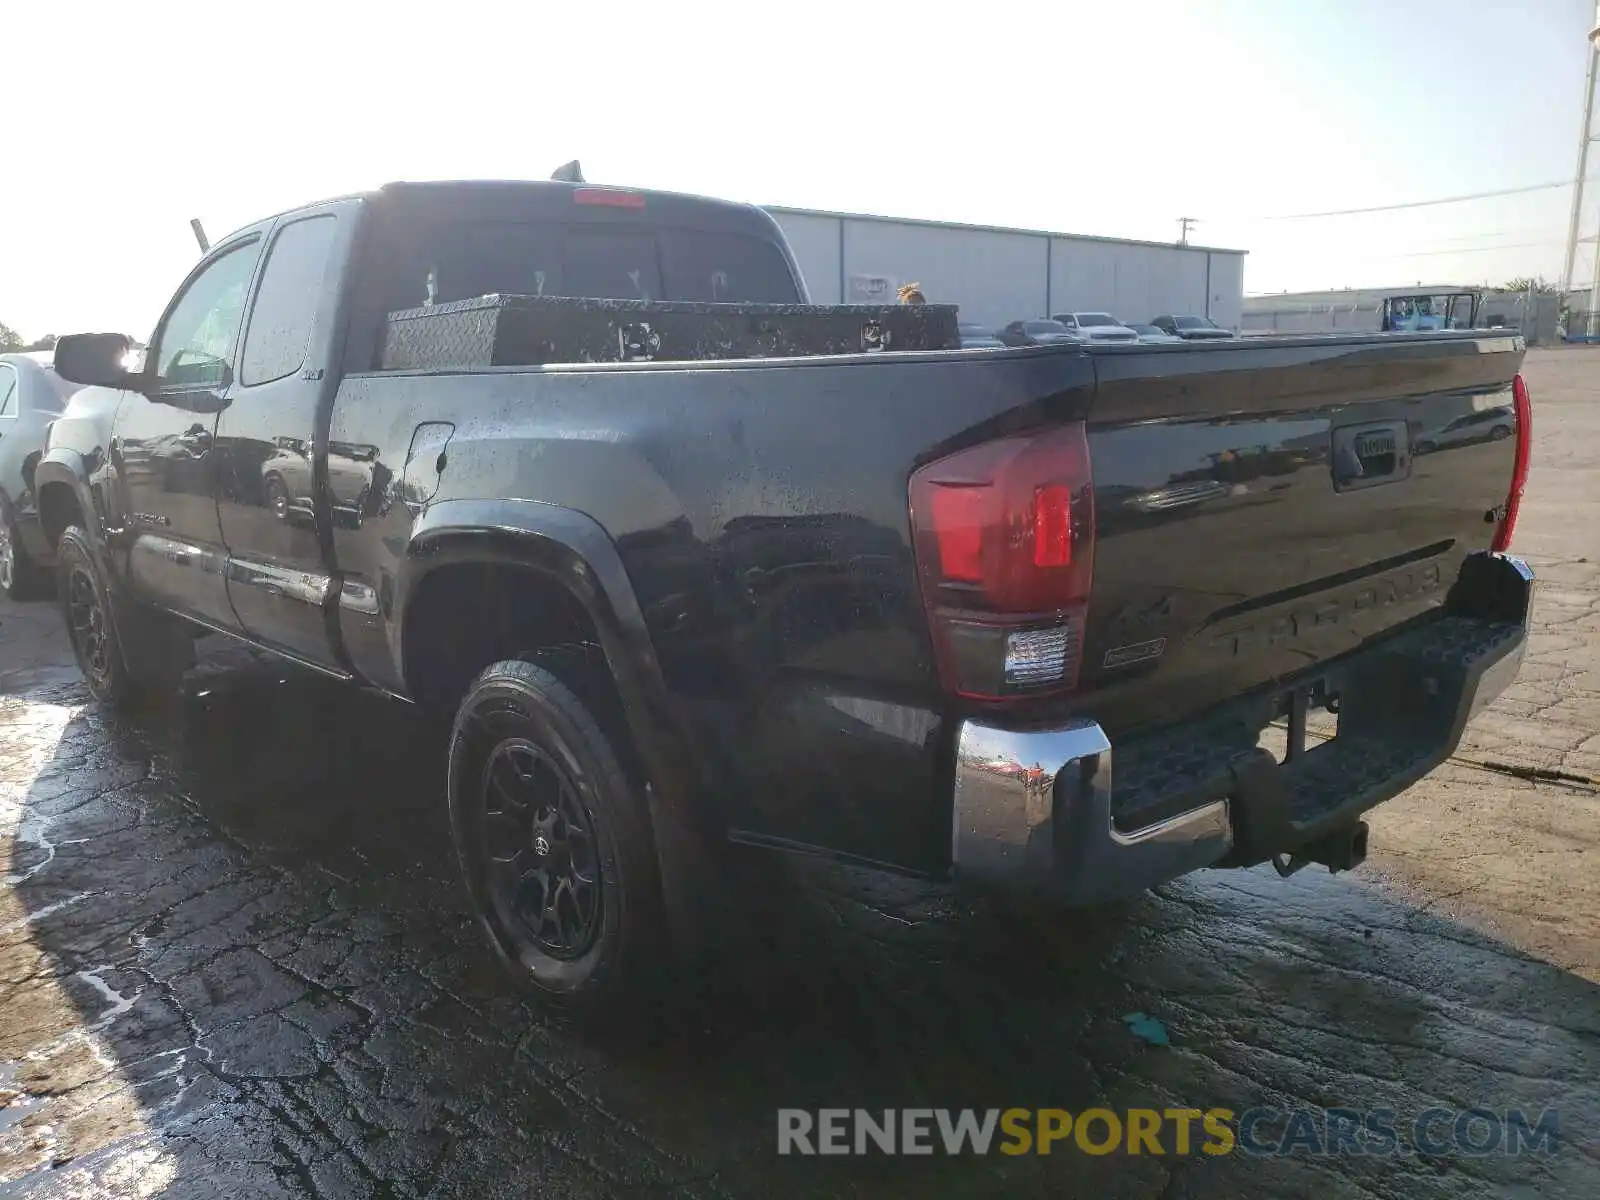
<point>277,498</point>
<point>97,633</point>
<point>554,841</point>
<point>20,577</point>
<point>1500,432</point>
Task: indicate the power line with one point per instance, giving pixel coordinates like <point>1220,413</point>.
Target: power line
<point>1478,249</point>
<point>1462,199</point>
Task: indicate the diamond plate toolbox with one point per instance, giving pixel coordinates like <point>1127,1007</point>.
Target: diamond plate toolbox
<point>504,331</point>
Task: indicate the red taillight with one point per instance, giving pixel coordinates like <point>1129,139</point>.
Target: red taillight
<point>958,526</point>
<point>1052,526</point>
<point>1004,537</point>
<point>607,198</point>
<point>1522,405</point>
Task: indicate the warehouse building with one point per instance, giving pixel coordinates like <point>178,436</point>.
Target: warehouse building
<point>998,275</point>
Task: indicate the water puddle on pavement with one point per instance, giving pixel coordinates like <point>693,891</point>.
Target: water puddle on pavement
<point>15,1105</point>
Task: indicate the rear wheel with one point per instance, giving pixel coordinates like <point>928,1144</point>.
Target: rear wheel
<point>553,838</point>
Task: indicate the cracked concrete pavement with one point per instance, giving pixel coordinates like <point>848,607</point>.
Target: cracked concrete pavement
<point>240,964</point>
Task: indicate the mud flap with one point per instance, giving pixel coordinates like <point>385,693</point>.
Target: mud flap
<point>705,888</point>
<point>156,648</point>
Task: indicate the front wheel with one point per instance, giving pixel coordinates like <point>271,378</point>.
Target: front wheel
<point>553,838</point>
<point>100,642</point>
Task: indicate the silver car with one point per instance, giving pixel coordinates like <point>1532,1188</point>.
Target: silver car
<point>31,396</point>
<point>1098,328</point>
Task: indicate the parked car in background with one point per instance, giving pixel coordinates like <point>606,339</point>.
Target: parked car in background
<point>1486,425</point>
<point>31,396</point>
<point>1037,332</point>
<point>1154,335</point>
<point>1192,328</point>
<point>978,337</point>
<point>1097,327</point>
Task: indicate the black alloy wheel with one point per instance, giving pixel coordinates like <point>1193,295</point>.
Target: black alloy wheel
<point>539,845</point>
<point>554,839</point>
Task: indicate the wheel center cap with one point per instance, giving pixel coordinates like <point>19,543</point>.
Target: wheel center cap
<point>541,845</point>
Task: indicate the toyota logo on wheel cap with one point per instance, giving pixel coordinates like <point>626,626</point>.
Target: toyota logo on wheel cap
<point>541,845</point>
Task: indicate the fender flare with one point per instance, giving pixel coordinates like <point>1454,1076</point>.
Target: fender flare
<point>572,550</point>
<point>61,466</point>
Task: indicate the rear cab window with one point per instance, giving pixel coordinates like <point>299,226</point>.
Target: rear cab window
<point>445,243</point>
<point>450,244</point>
<point>608,262</point>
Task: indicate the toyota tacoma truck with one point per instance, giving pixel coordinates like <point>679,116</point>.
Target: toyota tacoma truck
<point>1029,619</point>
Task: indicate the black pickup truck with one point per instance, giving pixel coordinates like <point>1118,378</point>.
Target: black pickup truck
<point>1018,617</point>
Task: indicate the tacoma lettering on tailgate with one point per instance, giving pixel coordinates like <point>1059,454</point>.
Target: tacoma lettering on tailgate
<point>1324,611</point>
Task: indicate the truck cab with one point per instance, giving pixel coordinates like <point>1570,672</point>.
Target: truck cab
<point>1426,311</point>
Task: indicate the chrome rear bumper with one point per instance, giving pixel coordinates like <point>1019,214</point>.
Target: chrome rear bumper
<point>1033,813</point>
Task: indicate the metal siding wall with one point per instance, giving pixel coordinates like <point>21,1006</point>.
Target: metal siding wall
<point>994,277</point>
<point>1133,283</point>
<point>815,242</point>
<point>1227,290</point>
<point>1082,275</point>
<point>997,276</point>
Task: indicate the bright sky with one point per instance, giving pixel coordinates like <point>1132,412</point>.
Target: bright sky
<point>1110,117</point>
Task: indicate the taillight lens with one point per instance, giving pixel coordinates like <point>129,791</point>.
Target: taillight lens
<point>1004,536</point>
<point>1523,406</point>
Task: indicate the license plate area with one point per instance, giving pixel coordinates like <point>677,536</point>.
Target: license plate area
<point>1367,456</point>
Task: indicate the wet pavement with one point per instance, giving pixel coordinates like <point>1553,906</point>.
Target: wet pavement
<point>241,965</point>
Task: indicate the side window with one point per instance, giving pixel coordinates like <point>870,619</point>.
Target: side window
<point>8,391</point>
<point>286,302</point>
<point>194,348</point>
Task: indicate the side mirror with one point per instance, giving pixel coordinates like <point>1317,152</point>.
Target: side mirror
<point>95,359</point>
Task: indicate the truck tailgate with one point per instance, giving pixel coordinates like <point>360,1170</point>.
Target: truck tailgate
<point>1265,507</point>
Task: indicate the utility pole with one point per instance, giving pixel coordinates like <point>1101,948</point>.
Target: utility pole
<point>1586,136</point>
<point>1184,225</point>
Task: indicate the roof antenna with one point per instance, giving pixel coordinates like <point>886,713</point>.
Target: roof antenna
<point>568,173</point>
<point>200,234</point>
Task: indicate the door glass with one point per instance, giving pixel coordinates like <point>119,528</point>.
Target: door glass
<point>195,347</point>
<point>8,392</point>
<point>286,302</point>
